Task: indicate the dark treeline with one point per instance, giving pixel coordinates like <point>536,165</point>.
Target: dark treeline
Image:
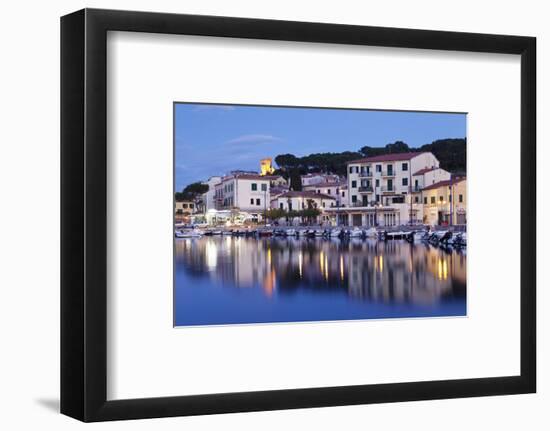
<point>451,154</point>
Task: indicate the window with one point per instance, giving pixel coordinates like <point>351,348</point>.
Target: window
<point>190,205</point>
<point>398,200</point>
<point>377,183</point>
<point>378,168</point>
<point>251,201</point>
<point>281,206</point>
<point>184,205</point>
<point>432,200</point>
<point>425,201</point>
<point>254,187</point>
<point>404,166</point>
<point>328,191</point>
<point>258,202</point>
<point>377,198</point>
<point>405,181</point>
<point>353,184</point>
<point>343,194</point>
<point>460,198</point>
<point>354,198</point>
<point>318,191</point>
<point>264,187</point>
<point>390,169</point>
<point>357,169</point>
<point>390,185</point>
<point>440,198</point>
<point>323,204</point>
<point>351,169</point>
<point>416,199</point>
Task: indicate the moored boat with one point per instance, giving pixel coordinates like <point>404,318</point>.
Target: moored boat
<point>189,233</point>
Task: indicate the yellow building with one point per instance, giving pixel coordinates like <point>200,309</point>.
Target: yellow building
<point>266,166</point>
<point>445,202</point>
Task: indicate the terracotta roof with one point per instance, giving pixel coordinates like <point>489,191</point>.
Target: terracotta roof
<point>394,157</point>
<point>305,194</point>
<point>423,171</point>
<point>330,184</point>
<point>248,177</point>
<point>445,183</point>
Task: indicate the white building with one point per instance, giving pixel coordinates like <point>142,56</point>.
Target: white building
<point>299,200</point>
<point>382,189</point>
<point>246,192</point>
<point>208,198</point>
<point>317,178</point>
<point>426,177</point>
<point>338,189</point>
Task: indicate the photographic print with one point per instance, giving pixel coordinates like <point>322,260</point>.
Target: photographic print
<point>299,214</point>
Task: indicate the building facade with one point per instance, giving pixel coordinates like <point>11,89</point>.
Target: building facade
<point>338,189</point>
<point>318,178</point>
<point>387,184</point>
<point>209,198</point>
<point>296,201</point>
<point>445,202</point>
<point>245,192</point>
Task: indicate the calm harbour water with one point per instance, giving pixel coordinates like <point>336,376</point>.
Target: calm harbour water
<point>235,280</point>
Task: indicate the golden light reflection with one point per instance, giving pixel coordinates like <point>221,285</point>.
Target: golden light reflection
<point>322,261</point>
<point>326,267</point>
<point>381,263</point>
<point>269,284</point>
<point>300,264</point>
<point>341,267</point>
<point>269,256</point>
<point>442,269</point>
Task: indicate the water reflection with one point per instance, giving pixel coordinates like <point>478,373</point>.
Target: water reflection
<point>244,280</point>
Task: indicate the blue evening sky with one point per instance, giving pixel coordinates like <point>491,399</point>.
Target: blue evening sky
<point>215,139</point>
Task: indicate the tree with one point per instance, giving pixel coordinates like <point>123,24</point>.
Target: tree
<point>192,191</point>
<point>309,214</point>
<point>287,161</point>
<point>451,153</point>
<point>295,180</point>
<point>275,213</point>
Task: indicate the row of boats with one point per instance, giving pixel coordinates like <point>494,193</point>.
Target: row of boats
<point>441,237</point>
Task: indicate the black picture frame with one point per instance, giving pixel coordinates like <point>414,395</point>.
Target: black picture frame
<point>84,214</point>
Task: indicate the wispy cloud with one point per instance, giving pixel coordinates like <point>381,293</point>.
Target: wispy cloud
<point>200,108</point>
<point>254,139</point>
